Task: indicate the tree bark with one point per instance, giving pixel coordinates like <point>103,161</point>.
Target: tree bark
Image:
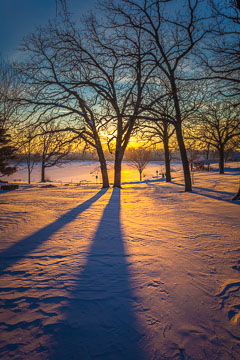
<point>183,152</point>
<point>43,168</point>
<point>221,159</point>
<point>43,172</point>
<point>178,126</point>
<point>103,167</point>
<point>166,154</point>
<point>118,168</point>
<point>104,172</point>
<point>207,152</point>
<point>29,175</point>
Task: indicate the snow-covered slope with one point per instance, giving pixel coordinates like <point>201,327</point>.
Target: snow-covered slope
<point>146,272</point>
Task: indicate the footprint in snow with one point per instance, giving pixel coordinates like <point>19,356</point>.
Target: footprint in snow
<point>234,314</point>
<point>237,267</point>
<point>230,300</point>
<point>155,283</point>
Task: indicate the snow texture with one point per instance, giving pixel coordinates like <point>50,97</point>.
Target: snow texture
<point>146,272</point>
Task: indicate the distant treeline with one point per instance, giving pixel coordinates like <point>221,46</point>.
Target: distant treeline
<point>156,155</point>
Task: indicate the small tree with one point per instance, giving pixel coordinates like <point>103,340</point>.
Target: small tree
<point>193,150</point>
<point>27,145</point>
<point>138,158</point>
<point>160,132</point>
<point>54,146</point>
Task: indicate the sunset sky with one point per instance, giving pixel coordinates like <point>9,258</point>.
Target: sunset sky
<point>19,17</point>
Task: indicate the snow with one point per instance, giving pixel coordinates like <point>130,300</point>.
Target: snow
<point>146,272</point>
<point>86,171</point>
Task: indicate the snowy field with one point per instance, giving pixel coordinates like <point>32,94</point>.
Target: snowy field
<point>87,171</point>
<point>147,272</point>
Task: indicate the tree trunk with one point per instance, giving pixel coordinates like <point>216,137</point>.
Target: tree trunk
<point>221,159</point>
<point>101,158</point>
<point>104,172</point>
<point>166,155</point>
<point>183,152</point>
<point>117,173</point>
<point>118,168</point>
<point>29,175</point>
<point>43,169</point>
<point>103,167</point>
<point>140,174</point>
<point>43,173</point>
<point>207,152</point>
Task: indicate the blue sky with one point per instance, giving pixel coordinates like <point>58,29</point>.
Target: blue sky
<point>18,18</point>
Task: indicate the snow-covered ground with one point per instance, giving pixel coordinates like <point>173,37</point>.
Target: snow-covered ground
<point>147,272</point>
<point>87,171</point>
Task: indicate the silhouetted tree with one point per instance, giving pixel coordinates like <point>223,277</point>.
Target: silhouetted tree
<point>28,147</point>
<point>53,147</point>
<point>55,88</point>
<point>172,37</point>
<point>218,124</point>
<point>138,158</point>
<point>157,132</point>
<point>222,58</point>
<point>119,75</point>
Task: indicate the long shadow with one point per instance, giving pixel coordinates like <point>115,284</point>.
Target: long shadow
<point>211,196</point>
<point>217,197</point>
<point>150,181</point>
<point>228,169</point>
<point>18,250</point>
<point>99,320</point>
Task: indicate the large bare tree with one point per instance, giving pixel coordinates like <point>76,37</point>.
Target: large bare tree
<point>172,33</point>
<point>54,90</point>
<point>89,78</point>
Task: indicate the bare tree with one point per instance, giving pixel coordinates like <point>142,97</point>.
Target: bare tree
<point>218,125</point>
<point>157,132</point>
<point>93,77</point>
<point>138,158</point>
<point>8,91</point>
<point>54,89</point>
<point>53,147</point>
<point>27,144</point>
<point>222,57</point>
<point>124,73</point>
<point>172,37</point>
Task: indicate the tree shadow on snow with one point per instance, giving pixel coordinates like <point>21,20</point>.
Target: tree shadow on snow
<point>99,321</point>
<point>214,194</point>
<point>25,246</point>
